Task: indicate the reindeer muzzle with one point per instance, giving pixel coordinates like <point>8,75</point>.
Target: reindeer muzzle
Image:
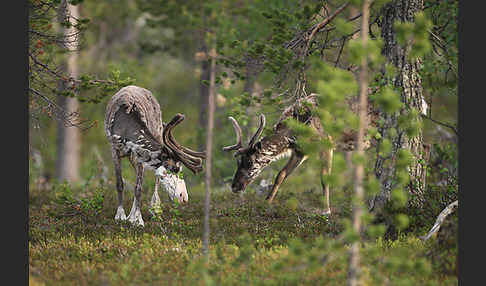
<point>174,186</point>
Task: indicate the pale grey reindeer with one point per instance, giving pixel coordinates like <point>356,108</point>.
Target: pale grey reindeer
<point>133,125</point>
<point>251,160</point>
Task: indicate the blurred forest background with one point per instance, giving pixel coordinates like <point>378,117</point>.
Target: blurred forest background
<point>159,45</point>
<point>164,46</point>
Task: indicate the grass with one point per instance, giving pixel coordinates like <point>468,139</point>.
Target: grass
<point>74,240</point>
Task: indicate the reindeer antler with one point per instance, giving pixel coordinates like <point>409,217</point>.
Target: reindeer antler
<point>237,128</point>
<point>239,146</point>
<point>258,132</point>
<point>191,159</point>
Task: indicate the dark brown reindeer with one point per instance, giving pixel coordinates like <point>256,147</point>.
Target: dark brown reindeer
<point>252,159</point>
<point>134,128</point>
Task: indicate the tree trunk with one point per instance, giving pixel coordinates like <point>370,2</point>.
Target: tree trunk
<point>209,150</point>
<point>354,265</point>
<point>68,137</point>
<point>248,88</point>
<point>407,80</point>
<point>203,98</point>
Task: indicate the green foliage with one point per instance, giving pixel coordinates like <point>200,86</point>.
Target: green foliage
<point>387,99</point>
<point>68,204</point>
<point>410,122</point>
<point>98,90</point>
<point>306,134</point>
<point>372,52</point>
<point>399,198</point>
<point>372,186</point>
<point>64,194</point>
<point>416,33</point>
<point>404,158</point>
<point>343,27</point>
<point>385,147</point>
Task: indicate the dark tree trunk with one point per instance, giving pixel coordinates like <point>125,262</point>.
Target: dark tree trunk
<point>408,81</point>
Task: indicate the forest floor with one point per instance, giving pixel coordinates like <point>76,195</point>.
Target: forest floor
<point>74,240</point>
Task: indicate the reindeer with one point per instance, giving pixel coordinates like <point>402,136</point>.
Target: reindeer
<point>251,160</point>
<point>133,125</point>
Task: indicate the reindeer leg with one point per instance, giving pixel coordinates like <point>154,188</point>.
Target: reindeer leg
<point>155,201</point>
<point>295,160</point>
<point>326,170</point>
<point>135,216</point>
<point>120,212</point>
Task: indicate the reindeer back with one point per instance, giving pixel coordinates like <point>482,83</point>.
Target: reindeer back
<point>137,99</point>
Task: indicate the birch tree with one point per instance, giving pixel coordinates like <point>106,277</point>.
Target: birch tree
<point>68,138</point>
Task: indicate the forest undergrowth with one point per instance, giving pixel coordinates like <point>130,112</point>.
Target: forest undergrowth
<point>74,240</point>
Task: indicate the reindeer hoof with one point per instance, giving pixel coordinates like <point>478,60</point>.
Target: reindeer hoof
<point>135,216</point>
<point>136,220</point>
<point>120,214</point>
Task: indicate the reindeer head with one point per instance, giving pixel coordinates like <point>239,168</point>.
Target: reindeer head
<point>173,184</point>
<point>248,163</point>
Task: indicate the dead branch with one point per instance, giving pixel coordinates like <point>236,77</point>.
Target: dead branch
<point>322,24</point>
<point>440,219</point>
<point>302,36</point>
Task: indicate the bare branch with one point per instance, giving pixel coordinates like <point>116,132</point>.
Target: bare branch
<point>440,219</point>
<point>326,21</point>
<point>340,52</point>
<point>71,119</point>
<point>302,36</point>
<point>441,123</point>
